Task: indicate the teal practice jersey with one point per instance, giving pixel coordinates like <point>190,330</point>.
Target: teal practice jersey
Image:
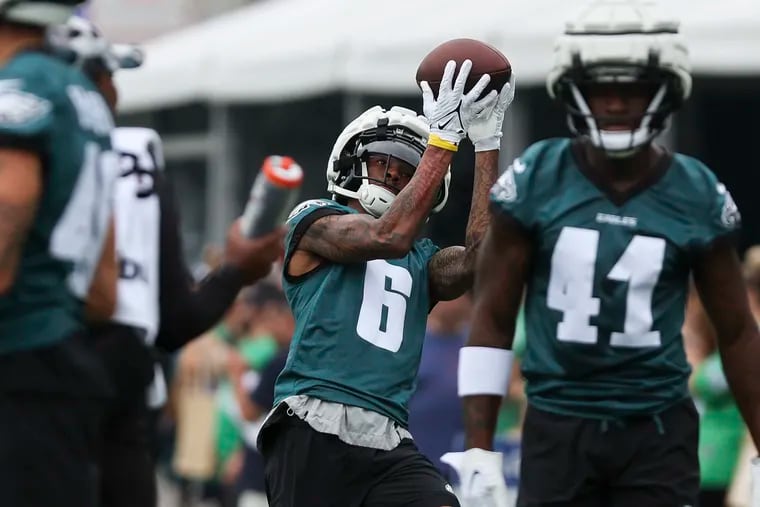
<point>605,298</point>
<point>51,109</point>
<point>359,327</point>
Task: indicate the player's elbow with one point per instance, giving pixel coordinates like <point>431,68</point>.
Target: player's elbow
<point>392,246</point>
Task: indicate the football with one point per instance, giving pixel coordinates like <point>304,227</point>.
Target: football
<point>485,59</point>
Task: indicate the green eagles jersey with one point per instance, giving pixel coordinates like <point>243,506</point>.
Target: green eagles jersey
<point>359,327</point>
<point>605,298</point>
<point>51,109</point>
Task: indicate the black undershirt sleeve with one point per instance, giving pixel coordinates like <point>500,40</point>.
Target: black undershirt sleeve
<point>187,309</point>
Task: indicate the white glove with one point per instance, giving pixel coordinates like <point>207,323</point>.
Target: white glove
<point>480,476</point>
<point>451,113</point>
<point>755,468</point>
<point>485,128</point>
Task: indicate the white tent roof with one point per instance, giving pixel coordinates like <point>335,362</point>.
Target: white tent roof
<point>281,49</point>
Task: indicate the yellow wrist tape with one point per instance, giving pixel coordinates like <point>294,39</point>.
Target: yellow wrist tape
<point>434,140</point>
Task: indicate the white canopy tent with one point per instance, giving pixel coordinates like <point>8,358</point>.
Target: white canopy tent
<point>281,49</point>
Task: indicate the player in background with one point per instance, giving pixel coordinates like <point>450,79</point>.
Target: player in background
<point>360,284</point>
<point>56,175</point>
<point>603,231</point>
<point>158,302</point>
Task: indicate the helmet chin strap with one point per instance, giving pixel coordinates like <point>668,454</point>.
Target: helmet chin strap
<point>620,144</point>
<point>375,199</point>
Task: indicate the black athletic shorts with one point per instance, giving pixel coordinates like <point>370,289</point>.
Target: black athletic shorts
<point>51,406</point>
<point>304,467</point>
<point>647,461</point>
<point>127,470</point>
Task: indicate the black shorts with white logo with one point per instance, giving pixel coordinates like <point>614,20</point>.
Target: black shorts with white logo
<point>305,467</point>
<point>651,461</point>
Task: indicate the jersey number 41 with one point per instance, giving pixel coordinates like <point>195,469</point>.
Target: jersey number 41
<point>571,287</point>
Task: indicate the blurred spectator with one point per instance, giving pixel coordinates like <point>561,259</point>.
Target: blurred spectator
<point>255,392</point>
<point>435,410</point>
<point>251,352</point>
<point>201,449</point>
<point>721,426</point>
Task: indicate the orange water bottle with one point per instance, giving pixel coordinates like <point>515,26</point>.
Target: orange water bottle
<point>273,194</point>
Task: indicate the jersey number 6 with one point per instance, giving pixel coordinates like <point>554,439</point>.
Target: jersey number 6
<point>383,310</point>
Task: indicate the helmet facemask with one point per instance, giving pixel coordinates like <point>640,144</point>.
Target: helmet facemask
<point>80,43</point>
<point>620,41</point>
<point>572,90</point>
<point>354,180</point>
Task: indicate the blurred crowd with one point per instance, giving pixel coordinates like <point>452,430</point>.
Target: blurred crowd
<point>222,385</point>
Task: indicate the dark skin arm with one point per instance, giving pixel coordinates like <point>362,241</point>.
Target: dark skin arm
<point>452,270</point>
<point>101,297</point>
<point>20,191</point>
<point>189,309</point>
<point>361,237</point>
<point>718,278</point>
<point>501,272</point>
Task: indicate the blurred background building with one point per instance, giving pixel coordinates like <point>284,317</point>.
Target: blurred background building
<point>227,82</point>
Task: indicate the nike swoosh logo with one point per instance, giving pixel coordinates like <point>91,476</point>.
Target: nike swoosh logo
<point>475,473</point>
<point>443,126</point>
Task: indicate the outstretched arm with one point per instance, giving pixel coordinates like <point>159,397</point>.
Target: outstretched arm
<point>189,309</point>
<point>501,272</point>
<point>357,238</point>
<point>718,278</point>
<point>451,271</point>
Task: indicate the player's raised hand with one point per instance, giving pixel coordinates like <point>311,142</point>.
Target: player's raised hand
<point>451,111</point>
<point>480,476</point>
<point>485,128</point>
<point>253,257</point>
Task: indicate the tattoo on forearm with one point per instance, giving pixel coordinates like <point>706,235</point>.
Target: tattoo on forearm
<point>486,173</point>
<point>346,238</point>
<point>448,273</point>
<point>357,238</point>
<point>452,270</point>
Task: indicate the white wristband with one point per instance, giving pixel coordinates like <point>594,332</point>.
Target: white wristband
<point>484,370</point>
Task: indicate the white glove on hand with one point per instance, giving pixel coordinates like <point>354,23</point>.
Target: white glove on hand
<point>452,111</point>
<point>480,476</point>
<point>755,472</point>
<point>485,128</point>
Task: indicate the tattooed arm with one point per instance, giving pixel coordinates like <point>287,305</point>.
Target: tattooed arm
<point>500,275</point>
<point>360,237</point>
<point>20,190</point>
<point>451,271</point>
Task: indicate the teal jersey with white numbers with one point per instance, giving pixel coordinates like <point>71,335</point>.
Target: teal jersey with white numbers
<point>51,109</point>
<point>605,298</point>
<point>359,327</point>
